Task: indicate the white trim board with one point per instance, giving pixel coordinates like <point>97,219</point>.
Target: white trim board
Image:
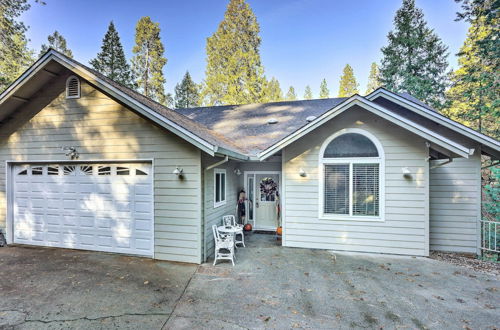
<point>425,133</point>
<point>436,117</point>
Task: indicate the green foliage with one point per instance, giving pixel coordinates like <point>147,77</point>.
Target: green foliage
<point>111,60</point>
<point>186,93</point>
<point>291,95</point>
<point>414,60</point>
<point>373,79</point>
<point>234,72</point>
<point>348,85</point>
<point>15,56</point>
<point>324,92</point>
<point>57,42</point>
<point>491,193</point>
<point>273,92</point>
<point>474,98</point>
<point>148,62</point>
<point>308,94</point>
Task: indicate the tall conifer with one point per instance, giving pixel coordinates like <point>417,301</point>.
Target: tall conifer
<point>348,85</point>
<point>148,62</point>
<point>234,72</point>
<point>57,42</point>
<point>373,79</point>
<point>324,92</point>
<point>111,61</point>
<point>308,94</point>
<point>291,95</point>
<point>186,93</point>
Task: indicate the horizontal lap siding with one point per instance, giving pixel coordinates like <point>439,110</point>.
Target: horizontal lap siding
<point>100,128</point>
<point>405,229</point>
<point>213,215</point>
<point>455,205</point>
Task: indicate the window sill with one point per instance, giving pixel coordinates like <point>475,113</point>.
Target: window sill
<point>219,204</point>
<point>341,217</point>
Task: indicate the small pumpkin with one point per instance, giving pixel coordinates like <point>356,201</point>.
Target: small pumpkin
<point>247,227</point>
<point>279,230</point>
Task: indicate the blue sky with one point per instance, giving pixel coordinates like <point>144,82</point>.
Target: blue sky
<point>303,41</point>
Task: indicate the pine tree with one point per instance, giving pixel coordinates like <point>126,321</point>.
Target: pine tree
<point>324,92</point>
<point>474,98</point>
<point>308,94</point>
<point>414,60</point>
<point>57,42</point>
<point>234,72</point>
<point>348,85</point>
<point>111,60</point>
<point>291,95</point>
<point>273,92</point>
<point>373,79</point>
<point>186,93</point>
<point>148,62</point>
<point>15,56</point>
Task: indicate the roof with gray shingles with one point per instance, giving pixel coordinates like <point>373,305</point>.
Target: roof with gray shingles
<point>413,99</point>
<point>247,125</point>
<point>194,127</point>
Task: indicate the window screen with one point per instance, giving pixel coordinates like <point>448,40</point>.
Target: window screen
<point>220,187</point>
<point>365,186</point>
<point>336,189</point>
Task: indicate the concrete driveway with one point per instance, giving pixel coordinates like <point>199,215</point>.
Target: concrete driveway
<point>270,287</point>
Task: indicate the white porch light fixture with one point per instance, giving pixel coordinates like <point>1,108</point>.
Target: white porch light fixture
<point>237,172</point>
<point>406,172</point>
<point>302,173</point>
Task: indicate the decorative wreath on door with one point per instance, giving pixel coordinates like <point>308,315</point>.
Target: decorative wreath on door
<point>268,187</point>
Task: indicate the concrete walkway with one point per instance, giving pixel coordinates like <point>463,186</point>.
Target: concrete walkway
<point>270,287</point>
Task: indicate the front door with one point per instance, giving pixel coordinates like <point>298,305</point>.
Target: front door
<point>263,199</point>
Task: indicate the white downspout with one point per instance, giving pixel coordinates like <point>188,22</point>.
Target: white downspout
<point>225,160</point>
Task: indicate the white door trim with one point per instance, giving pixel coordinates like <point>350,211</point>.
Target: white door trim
<point>9,166</point>
<point>246,173</point>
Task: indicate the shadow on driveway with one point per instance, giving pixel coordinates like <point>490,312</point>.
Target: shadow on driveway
<point>270,287</point>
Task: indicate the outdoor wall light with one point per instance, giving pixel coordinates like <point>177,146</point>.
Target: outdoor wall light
<point>237,172</point>
<point>406,172</point>
<point>71,152</point>
<point>178,171</point>
<point>302,173</point>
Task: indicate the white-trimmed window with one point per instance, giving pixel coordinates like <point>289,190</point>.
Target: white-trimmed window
<point>72,87</point>
<point>351,185</point>
<point>219,187</point>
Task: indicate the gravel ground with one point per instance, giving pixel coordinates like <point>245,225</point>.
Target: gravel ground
<point>468,261</point>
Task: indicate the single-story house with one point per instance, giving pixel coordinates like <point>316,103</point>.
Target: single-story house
<point>87,163</point>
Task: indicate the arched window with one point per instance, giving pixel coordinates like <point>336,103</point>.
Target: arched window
<point>72,87</point>
<point>352,176</point>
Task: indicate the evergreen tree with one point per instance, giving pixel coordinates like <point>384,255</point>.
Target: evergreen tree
<point>348,85</point>
<point>324,92</point>
<point>111,60</point>
<point>308,94</point>
<point>57,42</point>
<point>186,93</point>
<point>148,62</point>
<point>273,91</point>
<point>373,79</point>
<point>474,98</point>
<point>15,56</point>
<point>414,60</point>
<point>291,95</point>
<point>234,72</point>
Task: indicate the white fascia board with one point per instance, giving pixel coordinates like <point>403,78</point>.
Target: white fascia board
<point>437,117</point>
<point>151,114</point>
<point>381,112</point>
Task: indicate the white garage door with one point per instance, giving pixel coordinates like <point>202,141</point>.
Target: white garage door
<point>101,207</point>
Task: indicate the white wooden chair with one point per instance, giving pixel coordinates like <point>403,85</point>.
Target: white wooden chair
<point>230,220</point>
<point>224,246</point>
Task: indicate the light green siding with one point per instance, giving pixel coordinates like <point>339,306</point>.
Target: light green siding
<point>102,129</point>
<point>405,228</point>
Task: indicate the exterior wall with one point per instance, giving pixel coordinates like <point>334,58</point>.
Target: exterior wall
<point>405,229</point>
<point>213,215</point>
<point>455,205</point>
<point>100,128</point>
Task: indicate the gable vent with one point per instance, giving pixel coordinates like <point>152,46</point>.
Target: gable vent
<point>72,88</point>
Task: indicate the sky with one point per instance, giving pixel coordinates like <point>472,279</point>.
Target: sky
<point>303,41</point>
